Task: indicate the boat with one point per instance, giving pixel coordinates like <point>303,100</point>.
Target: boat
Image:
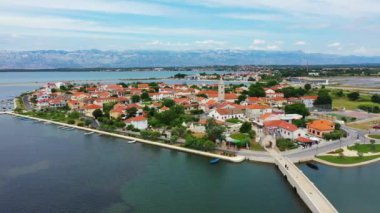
<point>214,161</point>
<point>132,141</point>
<point>312,165</point>
<point>89,133</point>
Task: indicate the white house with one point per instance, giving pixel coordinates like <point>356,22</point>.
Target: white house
<point>256,110</point>
<point>283,129</point>
<point>308,100</point>
<point>139,122</point>
<point>228,113</point>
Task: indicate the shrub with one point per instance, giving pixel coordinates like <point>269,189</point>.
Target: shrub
<point>353,96</point>
<point>334,135</point>
<point>71,121</point>
<point>285,144</point>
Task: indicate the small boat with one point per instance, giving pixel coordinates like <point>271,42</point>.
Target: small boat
<point>312,165</point>
<point>214,161</point>
<point>89,133</point>
<point>132,141</point>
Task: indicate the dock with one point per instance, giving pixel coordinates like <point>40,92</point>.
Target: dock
<point>306,189</point>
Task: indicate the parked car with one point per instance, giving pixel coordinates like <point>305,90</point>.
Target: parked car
<point>376,127</point>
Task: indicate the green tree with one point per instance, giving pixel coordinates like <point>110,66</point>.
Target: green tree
<point>241,98</point>
<point>145,96</point>
<point>199,143</point>
<point>155,86</point>
<point>375,98</point>
<point>297,109</point>
<point>135,98</point>
<point>373,146</point>
<point>323,98</point>
<point>214,131</point>
<point>107,107</point>
<point>131,112</point>
<point>97,113</point>
<point>353,96</point>
<point>168,102</point>
<point>256,90</point>
<point>246,127</point>
<point>339,93</point>
<point>307,87</point>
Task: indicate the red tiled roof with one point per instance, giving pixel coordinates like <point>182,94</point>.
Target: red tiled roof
<point>304,140</point>
<point>136,119</point>
<point>281,124</point>
<point>92,106</point>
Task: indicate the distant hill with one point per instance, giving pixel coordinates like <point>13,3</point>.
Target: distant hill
<point>51,59</point>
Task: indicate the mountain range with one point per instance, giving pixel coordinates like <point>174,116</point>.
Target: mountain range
<point>52,59</point>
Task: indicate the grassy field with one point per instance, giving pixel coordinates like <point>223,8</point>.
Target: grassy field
<point>374,136</point>
<point>365,148</point>
<point>239,136</point>
<point>347,160</point>
<point>344,102</point>
<point>364,125</point>
<point>256,147</point>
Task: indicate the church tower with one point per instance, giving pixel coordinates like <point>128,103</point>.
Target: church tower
<point>221,90</point>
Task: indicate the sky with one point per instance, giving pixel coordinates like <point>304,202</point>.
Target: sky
<point>345,27</point>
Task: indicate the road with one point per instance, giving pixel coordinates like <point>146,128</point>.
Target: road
<point>27,104</point>
<point>354,136</point>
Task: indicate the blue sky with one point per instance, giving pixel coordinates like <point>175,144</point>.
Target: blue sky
<point>326,26</point>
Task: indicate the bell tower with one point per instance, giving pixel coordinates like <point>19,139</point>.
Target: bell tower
<point>221,90</point>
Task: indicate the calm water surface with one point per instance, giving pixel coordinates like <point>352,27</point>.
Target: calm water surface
<point>46,169</point>
<point>23,77</point>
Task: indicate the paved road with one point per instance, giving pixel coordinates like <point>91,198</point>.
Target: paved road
<point>308,192</point>
<point>354,136</point>
<point>27,104</point>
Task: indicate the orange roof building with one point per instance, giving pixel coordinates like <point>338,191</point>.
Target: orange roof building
<point>320,127</point>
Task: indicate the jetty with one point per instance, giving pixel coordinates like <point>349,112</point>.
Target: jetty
<point>236,159</point>
<point>306,189</point>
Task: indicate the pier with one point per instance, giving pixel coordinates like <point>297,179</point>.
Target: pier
<point>306,189</point>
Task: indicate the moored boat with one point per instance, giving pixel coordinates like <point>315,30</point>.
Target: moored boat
<point>214,161</point>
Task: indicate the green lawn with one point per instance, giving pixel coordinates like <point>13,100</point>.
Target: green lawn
<point>365,148</point>
<point>347,160</point>
<point>239,136</point>
<point>234,120</point>
<point>364,125</point>
<point>256,147</point>
<point>343,102</point>
<point>374,136</point>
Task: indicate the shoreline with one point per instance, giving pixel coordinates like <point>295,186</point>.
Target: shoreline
<point>237,159</point>
<point>346,165</point>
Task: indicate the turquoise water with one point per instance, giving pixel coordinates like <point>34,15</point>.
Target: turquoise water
<point>46,169</point>
<point>348,189</point>
<point>22,77</point>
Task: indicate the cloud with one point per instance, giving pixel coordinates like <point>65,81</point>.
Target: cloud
<point>339,8</point>
<point>255,17</point>
<point>210,42</point>
<point>259,42</point>
<point>272,47</point>
<point>300,43</point>
<point>51,23</point>
<point>335,44</point>
<point>109,6</point>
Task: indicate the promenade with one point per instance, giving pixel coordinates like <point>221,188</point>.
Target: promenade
<point>308,192</point>
<point>236,159</point>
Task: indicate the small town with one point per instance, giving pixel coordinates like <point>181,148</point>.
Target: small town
<point>227,119</point>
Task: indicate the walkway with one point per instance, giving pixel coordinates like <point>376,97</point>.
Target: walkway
<point>236,159</point>
<point>308,192</point>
